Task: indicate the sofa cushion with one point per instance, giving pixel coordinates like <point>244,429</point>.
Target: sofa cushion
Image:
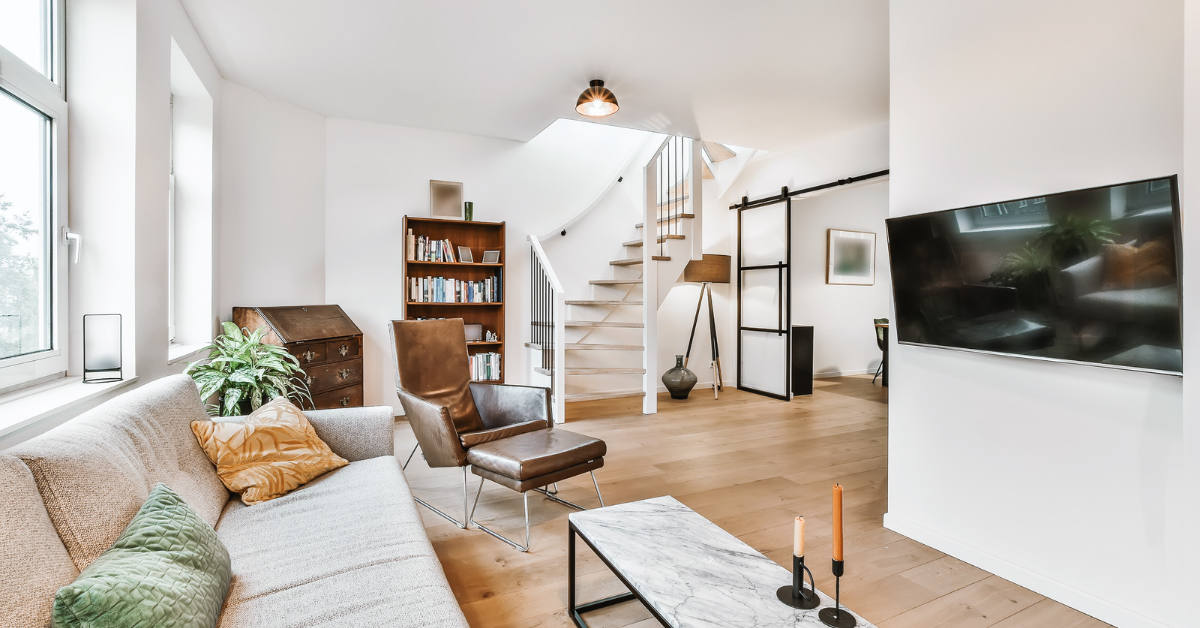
<point>273,452</point>
<point>347,549</point>
<point>95,471</point>
<point>166,569</point>
<point>33,561</point>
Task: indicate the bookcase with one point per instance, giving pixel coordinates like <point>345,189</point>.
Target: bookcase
<point>445,285</point>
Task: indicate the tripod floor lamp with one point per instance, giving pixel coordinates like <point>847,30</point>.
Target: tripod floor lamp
<point>707,271</point>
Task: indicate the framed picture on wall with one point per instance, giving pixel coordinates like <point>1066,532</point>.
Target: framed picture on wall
<point>445,200</point>
<point>850,258</point>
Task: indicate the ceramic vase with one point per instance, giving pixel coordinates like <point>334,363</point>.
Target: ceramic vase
<point>679,381</point>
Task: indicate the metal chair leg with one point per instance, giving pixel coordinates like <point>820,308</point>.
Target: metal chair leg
<point>877,372</point>
<point>525,499</point>
<point>464,524</point>
<point>597,485</point>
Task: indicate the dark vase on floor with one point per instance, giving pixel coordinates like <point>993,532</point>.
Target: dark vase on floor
<point>679,381</point>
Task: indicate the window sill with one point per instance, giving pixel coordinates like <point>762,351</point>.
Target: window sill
<point>180,353</point>
<point>25,407</point>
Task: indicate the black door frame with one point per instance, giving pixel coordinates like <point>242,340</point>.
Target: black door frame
<point>784,273</point>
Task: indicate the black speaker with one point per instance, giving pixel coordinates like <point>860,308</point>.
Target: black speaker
<point>802,360</point>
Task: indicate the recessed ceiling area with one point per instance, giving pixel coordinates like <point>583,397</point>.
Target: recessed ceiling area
<point>769,75</point>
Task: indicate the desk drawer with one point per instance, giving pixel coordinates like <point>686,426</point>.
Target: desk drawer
<point>349,397</point>
<point>308,353</point>
<point>324,377</point>
<point>345,349</point>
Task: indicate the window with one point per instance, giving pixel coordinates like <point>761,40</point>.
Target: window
<point>32,186</point>
<point>1025,213</point>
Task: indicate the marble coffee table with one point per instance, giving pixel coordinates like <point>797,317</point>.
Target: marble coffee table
<point>687,571</point>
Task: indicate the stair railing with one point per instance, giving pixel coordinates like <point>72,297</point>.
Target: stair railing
<point>547,327</point>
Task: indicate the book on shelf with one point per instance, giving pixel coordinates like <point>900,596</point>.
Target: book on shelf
<point>449,290</point>
<point>425,249</point>
<point>485,366</point>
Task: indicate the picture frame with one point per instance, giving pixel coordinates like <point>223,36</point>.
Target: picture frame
<point>850,258</point>
<point>445,200</point>
<point>464,255</point>
<point>491,257</point>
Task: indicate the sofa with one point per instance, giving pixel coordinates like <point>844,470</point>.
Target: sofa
<point>1083,287</point>
<point>347,549</point>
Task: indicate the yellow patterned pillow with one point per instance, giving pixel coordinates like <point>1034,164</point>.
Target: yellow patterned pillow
<point>273,452</point>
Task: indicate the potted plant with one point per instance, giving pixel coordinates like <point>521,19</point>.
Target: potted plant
<point>243,372</point>
<point>1028,270</point>
<point>1071,239</point>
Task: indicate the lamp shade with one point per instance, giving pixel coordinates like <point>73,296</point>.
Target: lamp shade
<point>710,269</point>
<point>597,101</point>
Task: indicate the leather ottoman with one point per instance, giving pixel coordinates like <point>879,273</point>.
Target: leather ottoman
<point>535,459</point>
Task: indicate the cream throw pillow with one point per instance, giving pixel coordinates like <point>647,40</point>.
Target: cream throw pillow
<point>273,452</point>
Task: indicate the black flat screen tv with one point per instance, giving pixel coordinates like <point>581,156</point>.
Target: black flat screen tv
<point>1090,276</point>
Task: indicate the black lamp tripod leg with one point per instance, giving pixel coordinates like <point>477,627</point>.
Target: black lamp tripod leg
<point>712,332</point>
<point>695,319</point>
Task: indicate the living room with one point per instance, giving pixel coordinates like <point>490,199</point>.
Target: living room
<point>193,163</point>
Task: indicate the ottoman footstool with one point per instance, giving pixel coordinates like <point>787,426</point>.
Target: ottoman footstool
<point>532,462</point>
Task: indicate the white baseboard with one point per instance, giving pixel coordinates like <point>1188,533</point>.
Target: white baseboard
<point>701,386</point>
<point>828,374</point>
<point>1101,609</point>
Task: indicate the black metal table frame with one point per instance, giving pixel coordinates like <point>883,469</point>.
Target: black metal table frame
<point>577,610</point>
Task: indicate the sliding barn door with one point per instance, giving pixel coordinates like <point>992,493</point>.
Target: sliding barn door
<point>764,299</point>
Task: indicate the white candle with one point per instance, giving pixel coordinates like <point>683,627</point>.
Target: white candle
<point>798,543</point>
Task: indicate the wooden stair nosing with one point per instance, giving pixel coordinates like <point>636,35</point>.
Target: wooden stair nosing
<point>614,324</point>
<point>669,219</point>
<point>541,371</point>
<point>579,346</point>
<point>579,370</point>
<point>613,282</point>
<point>604,394</point>
<point>661,258</point>
<point>631,261</point>
<point>602,302</point>
<point>661,239</point>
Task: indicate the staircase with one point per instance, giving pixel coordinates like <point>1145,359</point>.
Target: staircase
<point>606,348</point>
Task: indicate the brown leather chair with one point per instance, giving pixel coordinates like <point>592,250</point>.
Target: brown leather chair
<point>501,432</point>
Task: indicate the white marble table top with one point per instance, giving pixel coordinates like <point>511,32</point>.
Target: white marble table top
<point>690,571</point>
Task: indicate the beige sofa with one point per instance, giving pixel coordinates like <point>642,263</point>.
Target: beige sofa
<point>347,549</point>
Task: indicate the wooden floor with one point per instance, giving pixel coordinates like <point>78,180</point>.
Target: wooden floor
<point>750,464</point>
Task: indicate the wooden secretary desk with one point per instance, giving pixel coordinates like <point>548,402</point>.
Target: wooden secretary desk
<point>328,344</point>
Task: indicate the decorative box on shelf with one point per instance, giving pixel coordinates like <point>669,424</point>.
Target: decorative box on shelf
<point>327,343</point>
<point>441,280</point>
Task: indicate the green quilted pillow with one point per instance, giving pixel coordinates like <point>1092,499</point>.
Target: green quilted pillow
<point>168,569</point>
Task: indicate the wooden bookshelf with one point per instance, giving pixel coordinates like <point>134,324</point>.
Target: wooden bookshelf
<point>480,236</point>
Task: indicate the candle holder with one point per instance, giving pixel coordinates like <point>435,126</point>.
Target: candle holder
<point>796,595</point>
<point>835,616</point>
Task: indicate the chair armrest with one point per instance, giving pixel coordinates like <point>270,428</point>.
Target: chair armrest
<point>356,433</point>
<point>352,433</point>
<point>508,404</point>
<point>434,430</point>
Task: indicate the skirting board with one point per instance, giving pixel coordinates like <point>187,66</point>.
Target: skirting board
<point>829,374</point>
<point>1082,601</point>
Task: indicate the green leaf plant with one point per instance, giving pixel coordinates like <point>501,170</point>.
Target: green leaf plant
<point>240,368</point>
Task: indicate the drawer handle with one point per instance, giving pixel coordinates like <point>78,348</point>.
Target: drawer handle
<point>343,350</point>
<point>308,356</point>
<point>308,380</point>
<point>345,401</point>
<point>344,373</point>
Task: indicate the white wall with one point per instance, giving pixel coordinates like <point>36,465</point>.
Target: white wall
<point>1066,479</point>
<point>1191,281</point>
<point>376,174</point>
<point>272,237</point>
<point>840,315</point>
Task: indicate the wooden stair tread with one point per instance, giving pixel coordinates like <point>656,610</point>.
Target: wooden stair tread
<point>661,239</point>
<point>670,219</point>
<point>661,258</point>
<point>676,200</point>
<point>632,261</point>
<point>603,324</point>
<point>604,394</point>
<point>613,282</point>
<point>541,371</point>
<point>601,302</point>
<point>578,370</point>
<point>579,346</point>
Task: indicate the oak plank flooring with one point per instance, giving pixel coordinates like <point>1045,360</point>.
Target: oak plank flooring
<point>748,463</point>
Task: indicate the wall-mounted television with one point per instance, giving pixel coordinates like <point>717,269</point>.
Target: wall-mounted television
<point>1090,276</point>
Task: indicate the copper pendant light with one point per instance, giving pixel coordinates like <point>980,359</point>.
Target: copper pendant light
<point>597,101</point>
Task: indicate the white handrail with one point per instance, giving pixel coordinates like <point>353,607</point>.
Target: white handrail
<point>558,385</point>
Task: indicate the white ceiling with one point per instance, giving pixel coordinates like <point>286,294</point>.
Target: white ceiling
<point>765,74</point>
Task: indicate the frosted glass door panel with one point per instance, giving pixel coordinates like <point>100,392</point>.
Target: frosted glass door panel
<point>764,362</point>
<point>760,298</point>
<point>764,238</point>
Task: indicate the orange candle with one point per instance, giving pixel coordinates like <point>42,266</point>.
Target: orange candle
<point>798,543</point>
<point>837,522</point>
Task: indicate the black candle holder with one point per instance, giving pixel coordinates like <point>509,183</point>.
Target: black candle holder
<point>796,595</point>
<point>835,616</point>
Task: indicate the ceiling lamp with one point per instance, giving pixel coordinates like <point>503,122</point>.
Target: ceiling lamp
<point>597,101</point>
